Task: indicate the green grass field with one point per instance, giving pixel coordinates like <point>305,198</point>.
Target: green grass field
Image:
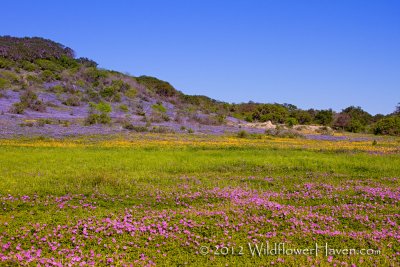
<point>168,205</point>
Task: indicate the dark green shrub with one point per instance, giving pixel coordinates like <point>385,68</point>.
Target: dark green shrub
<point>302,116</point>
<point>28,97</point>
<point>159,107</point>
<point>58,89</point>
<point>93,75</point>
<point>98,113</point>
<point>120,86</point>
<point>135,128</point>
<point>45,64</point>
<point>10,76</point>
<point>355,126</point>
<point>103,107</point>
<point>32,79</point>
<point>358,114</point>
<point>124,108</point>
<point>290,122</point>
<point>43,122</point>
<point>324,117</point>
<point>110,93</point>
<point>5,63</point>
<point>48,76</point>
<point>389,126</point>
<point>73,101</point>
<point>165,117</point>
<point>242,134</point>
<point>87,62</point>
<point>4,84</point>
<point>38,105</point>
<point>271,112</point>
<point>161,129</point>
<point>18,108</point>
<point>131,93</point>
<point>160,87</point>
<point>29,66</point>
<point>67,62</point>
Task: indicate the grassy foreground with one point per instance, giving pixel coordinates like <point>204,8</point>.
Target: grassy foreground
<point>199,201</point>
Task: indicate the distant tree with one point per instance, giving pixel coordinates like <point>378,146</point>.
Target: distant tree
<point>324,117</point>
<point>302,116</point>
<point>397,110</point>
<point>87,62</point>
<point>342,121</point>
<point>377,117</point>
<point>290,107</point>
<point>271,112</point>
<point>355,126</point>
<point>160,87</point>
<point>357,113</point>
<point>388,125</point>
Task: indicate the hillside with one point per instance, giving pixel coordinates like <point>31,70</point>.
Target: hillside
<point>46,90</point>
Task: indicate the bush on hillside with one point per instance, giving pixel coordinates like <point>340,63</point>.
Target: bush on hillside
<point>98,113</point>
<point>160,87</point>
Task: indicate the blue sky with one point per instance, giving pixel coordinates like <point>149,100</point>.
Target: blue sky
<point>311,53</point>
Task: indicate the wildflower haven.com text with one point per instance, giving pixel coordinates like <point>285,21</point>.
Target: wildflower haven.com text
<point>276,249</point>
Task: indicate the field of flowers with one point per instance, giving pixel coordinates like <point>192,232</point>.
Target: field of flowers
<point>175,200</point>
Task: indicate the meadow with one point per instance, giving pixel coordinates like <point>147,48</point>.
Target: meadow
<point>176,200</point>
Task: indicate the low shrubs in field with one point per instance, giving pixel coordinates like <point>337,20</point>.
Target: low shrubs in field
<point>161,129</point>
<point>28,99</point>
<point>98,113</point>
<point>58,89</point>
<point>43,122</point>
<point>242,134</point>
<point>136,128</point>
<point>73,101</point>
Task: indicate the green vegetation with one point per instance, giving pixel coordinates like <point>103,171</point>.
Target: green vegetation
<point>123,108</point>
<point>389,125</point>
<point>159,107</point>
<point>160,87</point>
<point>30,100</point>
<point>99,113</point>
